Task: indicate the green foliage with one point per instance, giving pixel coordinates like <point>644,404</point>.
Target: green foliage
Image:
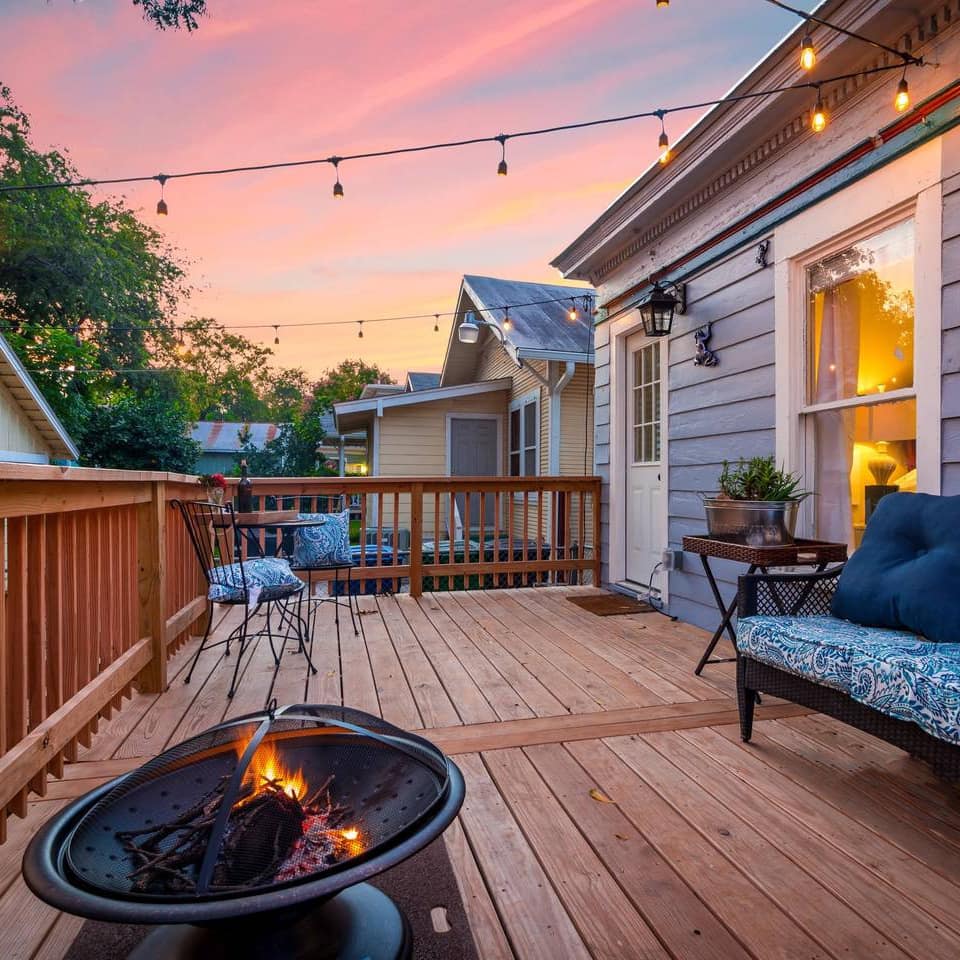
<point>345,382</point>
<point>173,14</point>
<point>759,479</point>
<point>138,433</point>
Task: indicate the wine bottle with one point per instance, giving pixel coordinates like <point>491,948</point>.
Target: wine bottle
<point>244,490</point>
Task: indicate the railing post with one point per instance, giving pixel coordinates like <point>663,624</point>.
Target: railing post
<point>151,586</point>
<point>416,540</point>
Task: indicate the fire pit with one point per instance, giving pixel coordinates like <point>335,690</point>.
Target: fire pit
<point>257,833</point>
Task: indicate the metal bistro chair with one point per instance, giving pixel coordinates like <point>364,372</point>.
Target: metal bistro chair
<point>261,581</point>
<point>296,547</point>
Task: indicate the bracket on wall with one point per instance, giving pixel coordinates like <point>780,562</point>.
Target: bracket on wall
<point>763,248</point>
<point>705,357</point>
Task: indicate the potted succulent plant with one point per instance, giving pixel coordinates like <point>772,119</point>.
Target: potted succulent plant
<point>757,503</point>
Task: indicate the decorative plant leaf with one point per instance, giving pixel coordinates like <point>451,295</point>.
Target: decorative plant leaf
<point>759,479</point>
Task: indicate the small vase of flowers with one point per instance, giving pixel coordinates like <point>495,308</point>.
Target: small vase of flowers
<point>214,486</point>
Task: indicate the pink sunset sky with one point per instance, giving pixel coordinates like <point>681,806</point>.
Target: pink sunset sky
<point>294,79</point>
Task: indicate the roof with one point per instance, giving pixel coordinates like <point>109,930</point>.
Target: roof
<point>14,376</point>
<point>351,414</point>
<point>540,325</point>
<point>422,381</point>
<point>381,389</point>
<point>223,436</point>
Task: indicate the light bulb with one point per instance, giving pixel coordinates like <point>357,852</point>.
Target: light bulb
<point>818,121</point>
<point>162,207</point>
<point>572,312</point>
<point>808,56</point>
<point>360,331</point>
<point>663,145</point>
<point>338,189</point>
<point>507,323</point>
<point>502,168</point>
<point>436,323</point>
<point>276,335</point>
<point>663,3</point>
<point>901,101</point>
<point>502,165</point>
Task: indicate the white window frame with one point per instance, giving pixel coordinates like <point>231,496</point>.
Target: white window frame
<point>520,403</point>
<point>908,187</point>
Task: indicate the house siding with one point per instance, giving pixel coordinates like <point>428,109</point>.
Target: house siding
<point>950,344</point>
<point>17,434</point>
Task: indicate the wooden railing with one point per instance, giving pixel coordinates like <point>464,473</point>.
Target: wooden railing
<point>100,587</point>
<point>101,584</point>
<point>426,533</point>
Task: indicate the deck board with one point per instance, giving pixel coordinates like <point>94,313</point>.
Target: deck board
<point>814,841</point>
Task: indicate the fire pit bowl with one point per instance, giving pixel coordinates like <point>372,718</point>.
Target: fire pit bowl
<point>257,821</point>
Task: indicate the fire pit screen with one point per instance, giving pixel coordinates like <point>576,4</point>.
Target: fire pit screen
<point>267,801</point>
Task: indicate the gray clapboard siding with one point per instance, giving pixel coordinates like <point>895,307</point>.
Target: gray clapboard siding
<point>717,413</point>
<point>950,346</point>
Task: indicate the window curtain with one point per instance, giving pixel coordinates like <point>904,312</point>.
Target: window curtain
<point>837,368</point>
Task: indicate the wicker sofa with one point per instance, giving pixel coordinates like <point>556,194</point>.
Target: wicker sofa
<point>892,684</point>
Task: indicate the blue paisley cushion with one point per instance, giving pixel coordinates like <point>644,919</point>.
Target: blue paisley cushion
<point>818,648</point>
<point>267,578</point>
<point>324,545</point>
<point>923,688</point>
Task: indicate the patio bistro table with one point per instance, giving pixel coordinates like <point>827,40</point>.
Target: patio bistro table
<point>800,553</point>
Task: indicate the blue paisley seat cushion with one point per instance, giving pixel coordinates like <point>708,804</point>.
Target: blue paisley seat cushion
<point>817,648</point>
<point>893,671</point>
<point>325,545</point>
<point>921,688</point>
<point>267,578</point>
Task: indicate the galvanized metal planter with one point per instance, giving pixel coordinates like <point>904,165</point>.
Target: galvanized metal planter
<point>757,523</point>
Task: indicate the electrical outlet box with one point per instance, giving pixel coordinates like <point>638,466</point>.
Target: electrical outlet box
<point>672,559</point>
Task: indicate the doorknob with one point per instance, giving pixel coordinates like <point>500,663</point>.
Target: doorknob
<point>658,478</point>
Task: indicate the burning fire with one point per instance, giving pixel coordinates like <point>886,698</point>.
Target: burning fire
<point>267,769</point>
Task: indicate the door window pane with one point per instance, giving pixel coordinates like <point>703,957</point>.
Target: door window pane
<point>646,404</point>
<point>860,318</point>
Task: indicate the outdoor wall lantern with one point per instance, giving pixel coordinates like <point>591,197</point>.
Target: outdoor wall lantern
<point>658,309</point>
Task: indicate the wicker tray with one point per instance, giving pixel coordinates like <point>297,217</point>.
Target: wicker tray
<point>797,554</point>
<point>265,517</point>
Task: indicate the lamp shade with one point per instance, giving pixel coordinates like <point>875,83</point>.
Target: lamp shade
<point>657,312</point>
<point>469,330</point>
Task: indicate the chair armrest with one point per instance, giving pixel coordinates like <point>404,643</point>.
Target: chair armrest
<point>787,594</point>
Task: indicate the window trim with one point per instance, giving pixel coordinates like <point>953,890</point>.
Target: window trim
<point>909,187</point>
<point>520,403</point>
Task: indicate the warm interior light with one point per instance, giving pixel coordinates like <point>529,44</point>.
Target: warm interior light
<point>808,56</point>
<point>663,144</point>
<point>901,101</point>
<point>818,121</point>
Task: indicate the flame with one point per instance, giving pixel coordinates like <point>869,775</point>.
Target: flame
<point>351,841</point>
<point>266,767</point>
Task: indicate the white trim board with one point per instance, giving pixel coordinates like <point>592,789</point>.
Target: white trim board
<point>379,404</point>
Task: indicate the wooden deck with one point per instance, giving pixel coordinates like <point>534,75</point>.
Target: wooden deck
<point>813,841</point>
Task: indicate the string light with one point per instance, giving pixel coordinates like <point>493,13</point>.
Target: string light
<point>276,335</point>
<point>338,186</point>
<point>507,322</point>
<point>502,166</point>
<point>572,312</point>
<point>161,203</point>
<point>663,3</point>
<point>819,118</point>
<point>901,102</point>
<point>436,323</point>
<point>663,143</point>
<point>360,331</point>
<point>808,56</point>
<point>472,141</point>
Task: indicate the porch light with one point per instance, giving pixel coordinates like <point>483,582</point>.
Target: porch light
<point>469,330</point>
<point>658,309</point>
<point>901,101</point>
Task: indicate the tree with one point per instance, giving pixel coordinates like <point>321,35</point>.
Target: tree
<point>82,284</point>
<point>173,14</point>
<point>345,382</point>
<point>138,433</point>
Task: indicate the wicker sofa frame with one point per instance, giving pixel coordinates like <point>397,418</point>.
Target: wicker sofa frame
<point>810,595</point>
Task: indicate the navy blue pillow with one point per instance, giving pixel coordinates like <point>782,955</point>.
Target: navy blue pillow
<point>906,573</point>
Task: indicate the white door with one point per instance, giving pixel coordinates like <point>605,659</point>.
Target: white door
<point>646,458</point>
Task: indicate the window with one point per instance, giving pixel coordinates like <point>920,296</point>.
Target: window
<point>861,408</point>
<point>525,435</point>
<point>646,404</point>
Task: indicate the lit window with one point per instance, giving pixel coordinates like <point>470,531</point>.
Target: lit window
<point>861,408</point>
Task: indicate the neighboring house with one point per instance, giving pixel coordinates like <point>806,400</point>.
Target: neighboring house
<point>30,431</point>
<point>516,402</point>
<point>221,441</point>
<point>829,267</point>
